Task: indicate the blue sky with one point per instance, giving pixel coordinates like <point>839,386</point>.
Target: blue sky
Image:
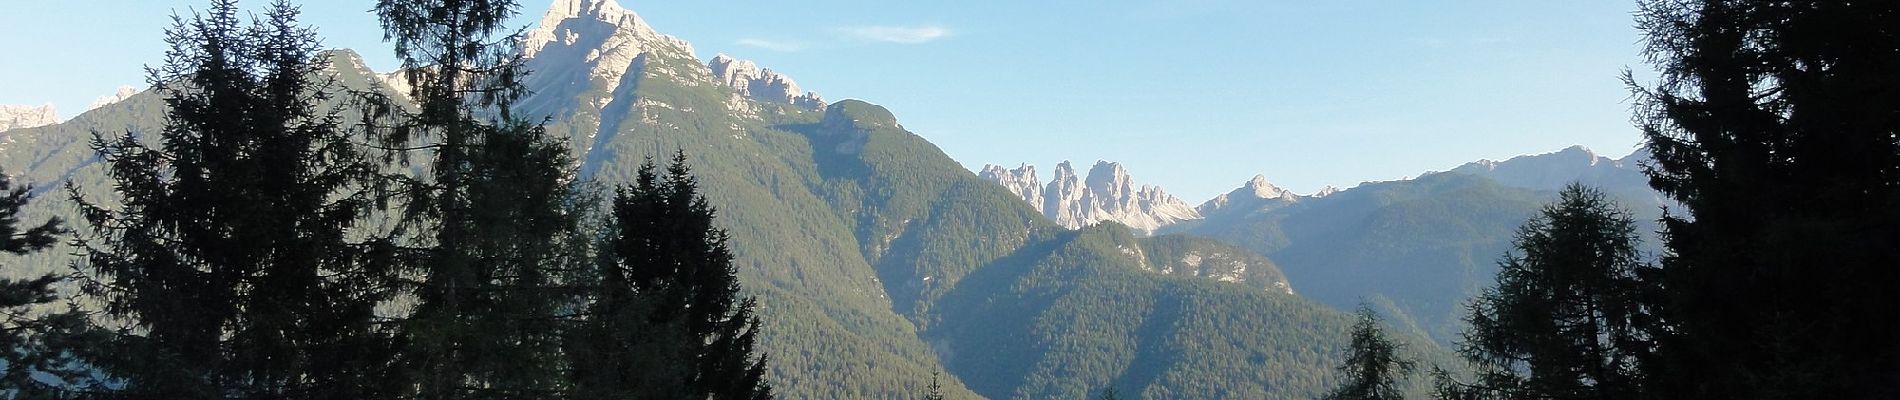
<point>1193,95</point>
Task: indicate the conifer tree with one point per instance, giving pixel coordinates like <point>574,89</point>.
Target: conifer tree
<point>1373,366</point>
<point>498,196</point>
<point>935,390</point>
<point>232,251</point>
<point>34,339</point>
<point>1773,123</point>
<point>1564,321</point>
<point>667,321</point>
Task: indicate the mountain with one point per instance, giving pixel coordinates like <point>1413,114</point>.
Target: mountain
<point>1108,193</point>
<point>124,92</point>
<point>876,258</point>
<point>19,116</point>
<point>1254,196</point>
<point>1551,171</point>
<point>1414,248</point>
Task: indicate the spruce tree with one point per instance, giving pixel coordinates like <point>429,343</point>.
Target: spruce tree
<point>1373,366</point>
<point>1774,124</point>
<point>497,197</point>
<point>666,319</point>
<point>935,390</point>
<point>1564,321</point>
<point>232,252</point>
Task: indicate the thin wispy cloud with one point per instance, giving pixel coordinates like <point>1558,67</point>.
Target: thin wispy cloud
<point>897,34</point>
<point>772,45</point>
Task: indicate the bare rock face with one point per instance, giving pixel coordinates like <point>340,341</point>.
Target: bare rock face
<point>1020,181</point>
<point>747,80</point>
<point>1108,193</point>
<point>21,116</point>
<point>124,92</point>
<point>592,63</point>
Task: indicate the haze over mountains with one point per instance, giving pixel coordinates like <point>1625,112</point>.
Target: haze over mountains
<point>880,260</point>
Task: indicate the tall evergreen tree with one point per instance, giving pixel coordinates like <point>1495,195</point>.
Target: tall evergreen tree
<point>232,250</point>
<point>1564,321</point>
<point>1774,124</point>
<point>1373,366</point>
<point>667,319</point>
<point>935,391</point>
<point>488,318</point>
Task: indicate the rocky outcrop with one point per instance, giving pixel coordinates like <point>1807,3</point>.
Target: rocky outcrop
<point>20,116</point>
<point>1021,181</point>
<point>1108,193</point>
<point>749,81</point>
<point>595,64</point>
<point>125,92</point>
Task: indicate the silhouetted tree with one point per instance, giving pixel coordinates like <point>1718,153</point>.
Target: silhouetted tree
<point>1563,321</point>
<point>667,319</point>
<point>1373,366</point>
<point>232,250</point>
<point>489,317</point>
<point>34,339</point>
<point>1110,394</point>
<point>1774,123</point>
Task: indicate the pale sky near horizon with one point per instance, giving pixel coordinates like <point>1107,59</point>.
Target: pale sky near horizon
<point>1196,96</point>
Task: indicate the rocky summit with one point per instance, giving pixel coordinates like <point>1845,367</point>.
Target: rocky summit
<point>1108,193</point>
<point>19,116</point>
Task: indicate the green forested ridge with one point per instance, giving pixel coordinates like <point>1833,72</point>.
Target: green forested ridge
<point>1413,248</point>
<point>1074,312</point>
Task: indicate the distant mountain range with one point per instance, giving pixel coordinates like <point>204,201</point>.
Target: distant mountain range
<point>1414,248</point>
<point>878,259</point>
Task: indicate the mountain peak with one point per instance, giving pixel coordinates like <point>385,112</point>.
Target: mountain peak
<point>598,25</point>
<point>22,116</point>
<point>1257,192</point>
<point>1107,193</point>
<point>749,81</point>
<point>124,92</point>
<point>1020,181</point>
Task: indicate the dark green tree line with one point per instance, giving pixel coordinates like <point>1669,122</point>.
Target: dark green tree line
<point>232,254</point>
<point>1774,124</point>
<point>1566,319</point>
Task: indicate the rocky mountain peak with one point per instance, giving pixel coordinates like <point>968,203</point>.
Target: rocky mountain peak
<point>569,22</point>
<point>124,92</point>
<point>23,116</point>
<point>1020,181</point>
<point>593,46</point>
<point>1255,194</point>
<point>1107,193</point>
<point>1266,190</point>
<point>750,81</point>
<point>1327,190</point>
